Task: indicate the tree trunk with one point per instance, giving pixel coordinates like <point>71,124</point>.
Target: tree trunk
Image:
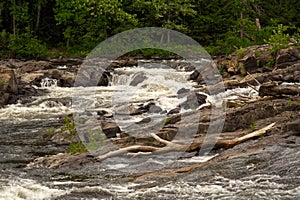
<point>162,38</point>
<point>258,26</point>
<point>68,42</point>
<point>242,27</point>
<point>170,146</point>
<point>14,18</point>
<point>38,16</point>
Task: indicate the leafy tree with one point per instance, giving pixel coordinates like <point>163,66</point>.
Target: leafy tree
<point>171,14</point>
<point>221,25</point>
<point>89,21</point>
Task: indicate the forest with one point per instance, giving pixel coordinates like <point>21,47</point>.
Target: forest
<point>49,28</point>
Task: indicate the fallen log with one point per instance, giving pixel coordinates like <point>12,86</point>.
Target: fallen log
<point>170,146</point>
<point>273,89</point>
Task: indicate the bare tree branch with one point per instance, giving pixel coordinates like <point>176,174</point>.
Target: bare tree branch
<point>170,146</point>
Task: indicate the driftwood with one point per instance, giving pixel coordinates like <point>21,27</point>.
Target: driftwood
<point>273,89</point>
<point>170,146</point>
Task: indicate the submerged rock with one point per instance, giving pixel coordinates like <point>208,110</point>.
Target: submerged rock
<point>194,100</point>
<point>138,78</point>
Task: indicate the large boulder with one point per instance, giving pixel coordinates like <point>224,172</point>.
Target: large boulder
<point>251,59</point>
<point>8,85</point>
<point>64,78</point>
<point>32,66</point>
<point>138,78</point>
<point>194,100</point>
<point>287,57</point>
<point>31,78</point>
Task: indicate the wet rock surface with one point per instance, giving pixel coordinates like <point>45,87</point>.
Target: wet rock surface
<point>265,167</point>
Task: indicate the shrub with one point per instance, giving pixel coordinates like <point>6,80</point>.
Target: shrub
<point>279,39</point>
<point>241,53</point>
<point>50,132</point>
<point>230,43</point>
<point>72,135</point>
<point>4,40</point>
<point>77,147</point>
<point>252,126</point>
<point>271,63</point>
<point>26,46</point>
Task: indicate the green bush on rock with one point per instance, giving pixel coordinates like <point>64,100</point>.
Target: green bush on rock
<point>70,133</point>
<point>279,39</point>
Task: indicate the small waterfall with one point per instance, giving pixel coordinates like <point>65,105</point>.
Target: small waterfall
<point>121,79</point>
<point>48,83</point>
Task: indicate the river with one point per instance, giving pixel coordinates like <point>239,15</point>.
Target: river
<point>22,140</point>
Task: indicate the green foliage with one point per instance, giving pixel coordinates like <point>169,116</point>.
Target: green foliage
<point>155,52</point>
<point>4,41</point>
<point>221,68</point>
<point>97,139</point>
<point>240,53</point>
<point>167,120</point>
<point>165,13</point>
<point>257,54</point>
<point>50,132</point>
<point>69,127</point>
<point>193,106</point>
<point>252,126</point>
<point>88,22</point>
<point>279,39</point>
<point>28,28</point>
<point>76,145</point>
<point>271,63</point>
<point>229,44</point>
<point>290,103</point>
<point>26,46</point>
<point>1,84</point>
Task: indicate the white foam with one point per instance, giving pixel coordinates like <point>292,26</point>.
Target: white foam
<point>28,189</point>
<point>45,110</point>
<point>48,83</point>
<point>236,93</point>
<point>260,186</point>
<point>161,85</point>
<point>198,159</point>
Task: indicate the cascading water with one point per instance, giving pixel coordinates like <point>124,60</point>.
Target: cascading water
<point>23,126</point>
<point>48,82</point>
<point>148,83</point>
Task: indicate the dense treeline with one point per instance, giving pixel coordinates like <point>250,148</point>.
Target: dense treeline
<point>39,28</point>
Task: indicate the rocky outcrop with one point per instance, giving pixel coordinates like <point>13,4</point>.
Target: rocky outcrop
<point>249,59</point>
<point>258,60</point>
<point>8,85</point>
<point>276,90</point>
<point>290,74</point>
<point>287,57</point>
<point>59,160</point>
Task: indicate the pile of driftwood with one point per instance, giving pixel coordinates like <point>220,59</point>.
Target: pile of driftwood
<point>171,146</point>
